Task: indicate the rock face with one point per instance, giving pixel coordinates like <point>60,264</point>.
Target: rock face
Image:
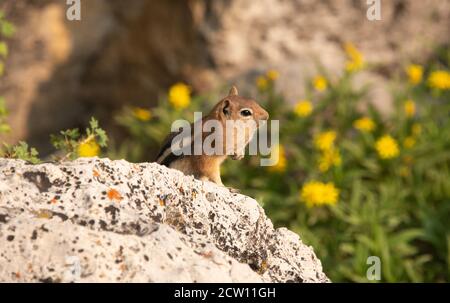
<point>129,52</point>
<point>102,220</point>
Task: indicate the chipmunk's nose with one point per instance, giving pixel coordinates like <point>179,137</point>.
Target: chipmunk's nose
<point>264,115</point>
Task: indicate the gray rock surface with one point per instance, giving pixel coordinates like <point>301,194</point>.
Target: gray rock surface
<point>102,220</point>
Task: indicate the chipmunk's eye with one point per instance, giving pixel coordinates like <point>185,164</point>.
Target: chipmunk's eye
<point>246,112</point>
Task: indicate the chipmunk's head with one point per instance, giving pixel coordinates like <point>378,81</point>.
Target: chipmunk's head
<point>235,107</point>
<point>247,114</point>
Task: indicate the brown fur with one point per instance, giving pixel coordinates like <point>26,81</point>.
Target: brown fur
<point>205,167</point>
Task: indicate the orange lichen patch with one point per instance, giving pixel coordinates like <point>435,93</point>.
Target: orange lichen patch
<point>207,254</point>
<point>161,202</point>
<point>17,275</point>
<point>123,267</point>
<point>263,267</point>
<point>114,195</point>
<point>95,173</point>
<point>53,201</point>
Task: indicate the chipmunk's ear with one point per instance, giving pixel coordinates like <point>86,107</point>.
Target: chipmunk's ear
<point>226,108</point>
<point>233,91</point>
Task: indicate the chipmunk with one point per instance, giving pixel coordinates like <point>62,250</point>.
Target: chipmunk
<point>206,167</point>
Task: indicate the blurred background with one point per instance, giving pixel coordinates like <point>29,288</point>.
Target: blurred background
<point>363,105</point>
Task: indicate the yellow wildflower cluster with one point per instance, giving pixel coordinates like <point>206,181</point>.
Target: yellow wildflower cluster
<point>355,58</point>
<point>439,79</point>
<point>330,155</point>
<point>88,149</point>
<point>180,95</point>
<point>315,193</point>
<point>410,108</point>
<point>387,147</point>
<point>415,73</point>
<point>416,129</point>
<point>278,152</point>
<point>264,81</point>
<point>272,75</point>
<point>409,142</point>
<point>320,83</point>
<point>142,114</point>
<point>329,158</point>
<point>303,108</point>
<point>364,124</point>
<point>325,141</point>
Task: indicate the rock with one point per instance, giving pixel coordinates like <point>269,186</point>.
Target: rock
<point>101,220</point>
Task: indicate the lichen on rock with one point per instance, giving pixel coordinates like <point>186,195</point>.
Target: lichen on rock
<point>114,221</point>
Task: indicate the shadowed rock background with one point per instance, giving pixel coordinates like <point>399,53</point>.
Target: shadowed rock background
<point>60,73</point>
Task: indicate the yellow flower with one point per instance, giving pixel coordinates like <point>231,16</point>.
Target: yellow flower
<point>315,193</point>
<point>272,75</point>
<point>262,83</point>
<point>409,108</point>
<point>325,141</point>
<point>88,149</point>
<point>387,147</point>
<point>439,79</point>
<point>364,124</point>
<point>142,114</point>
<point>416,129</point>
<point>409,142</point>
<point>279,153</point>
<point>415,73</point>
<point>180,95</point>
<point>355,58</point>
<point>329,158</point>
<point>303,108</point>
<point>320,83</point>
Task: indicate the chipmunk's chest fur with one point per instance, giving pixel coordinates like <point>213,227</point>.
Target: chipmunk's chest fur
<point>206,168</point>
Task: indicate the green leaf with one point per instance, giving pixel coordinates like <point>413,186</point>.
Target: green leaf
<point>7,29</point>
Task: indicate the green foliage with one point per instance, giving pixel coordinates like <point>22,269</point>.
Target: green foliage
<point>396,208</point>
<point>69,141</point>
<point>4,127</point>
<point>6,31</point>
<point>20,151</point>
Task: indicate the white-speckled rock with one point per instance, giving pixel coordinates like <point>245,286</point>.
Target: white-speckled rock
<point>102,220</point>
